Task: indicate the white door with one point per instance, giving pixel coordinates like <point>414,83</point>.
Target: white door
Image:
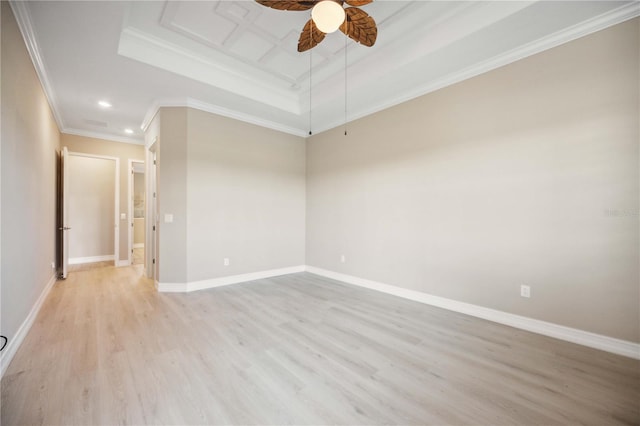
<point>65,212</point>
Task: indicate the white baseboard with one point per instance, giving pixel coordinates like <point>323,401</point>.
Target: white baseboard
<point>585,338</point>
<point>14,343</point>
<point>120,263</point>
<point>90,259</point>
<point>233,279</point>
<point>138,245</point>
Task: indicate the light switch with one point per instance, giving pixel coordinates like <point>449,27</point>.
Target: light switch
<point>123,216</point>
<point>168,218</point>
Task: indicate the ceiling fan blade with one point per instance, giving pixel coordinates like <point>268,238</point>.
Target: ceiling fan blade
<point>359,26</point>
<point>310,36</point>
<point>357,2</point>
<point>288,4</point>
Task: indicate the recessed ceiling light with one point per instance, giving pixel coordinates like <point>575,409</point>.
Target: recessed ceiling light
<point>104,104</point>
<point>128,131</point>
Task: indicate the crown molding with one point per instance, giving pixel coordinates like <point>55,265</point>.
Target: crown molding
<point>614,17</point>
<point>104,136</point>
<point>590,26</point>
<point>23,18</point>
<point>146,48</point>
<point>20,9</point>
<point>247,118</point>
<point>218,110</point>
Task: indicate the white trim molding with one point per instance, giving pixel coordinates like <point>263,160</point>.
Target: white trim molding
<point>218,110</point>
<point>151,50</point>
<point>100,135</point>
<point>90,259</point>
<point>616,16</point>
<point>14,343</point>
<point>213,69</point>
<point>23,18</point>
<point>222,281</point>
<point>585,338</point>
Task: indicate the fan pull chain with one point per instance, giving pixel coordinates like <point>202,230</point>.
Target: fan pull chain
<point>310,68</point>
<point>345,84</point>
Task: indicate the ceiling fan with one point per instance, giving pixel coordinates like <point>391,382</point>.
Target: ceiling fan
<point>327,16</point>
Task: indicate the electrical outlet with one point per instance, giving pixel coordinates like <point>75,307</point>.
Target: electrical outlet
<point>343,259</point>
<point>525,291</point>
<point>226,261</point>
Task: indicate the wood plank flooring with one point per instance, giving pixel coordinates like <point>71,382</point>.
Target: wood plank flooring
<point>138,256</point>
<point>298,349</point>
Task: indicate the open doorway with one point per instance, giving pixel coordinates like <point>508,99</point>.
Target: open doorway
<point>91,196</point>
<point>137,203</point>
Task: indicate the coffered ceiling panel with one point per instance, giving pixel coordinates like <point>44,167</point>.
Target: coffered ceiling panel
<point>240,59</point>
<point>199,21</point>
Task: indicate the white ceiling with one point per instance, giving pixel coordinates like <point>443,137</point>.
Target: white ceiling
<point>239,59</point>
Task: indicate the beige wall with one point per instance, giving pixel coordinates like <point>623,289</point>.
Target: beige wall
<point>524,175</point>
<point>30,140</point>
<point>172,195</point>
<point>91,207</point>
<point>138,195</point>
<point>138,230</point>
<point>139,213</point>
<point>235,191</point>
<point>124,152</point>
<point>245,197</point>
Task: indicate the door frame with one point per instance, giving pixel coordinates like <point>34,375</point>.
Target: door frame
<point>151,260</point>
<point>116,184</point>
<point>63,200</point>
<point>130,207</point>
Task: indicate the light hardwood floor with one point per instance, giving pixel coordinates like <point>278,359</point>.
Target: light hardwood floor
<point>138,256</point>
<point>297,349</point>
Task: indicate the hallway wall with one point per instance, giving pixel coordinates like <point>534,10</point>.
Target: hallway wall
<point>30,141</point>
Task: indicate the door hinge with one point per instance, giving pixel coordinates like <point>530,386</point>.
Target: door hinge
<point>154,261</point>
<point>154,227</point>
<point>154,162</point>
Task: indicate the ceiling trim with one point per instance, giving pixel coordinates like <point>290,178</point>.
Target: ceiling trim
<point>24,21</point>
<point>137,45</point>
<point>105,136</point>
<point>216,109</point>
<point>590,26</point>
<point>23,18</point>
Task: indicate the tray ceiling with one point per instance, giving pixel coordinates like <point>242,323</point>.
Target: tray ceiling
<point>239,59</point>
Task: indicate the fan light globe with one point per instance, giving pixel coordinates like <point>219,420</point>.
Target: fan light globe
<point>328,16</point>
